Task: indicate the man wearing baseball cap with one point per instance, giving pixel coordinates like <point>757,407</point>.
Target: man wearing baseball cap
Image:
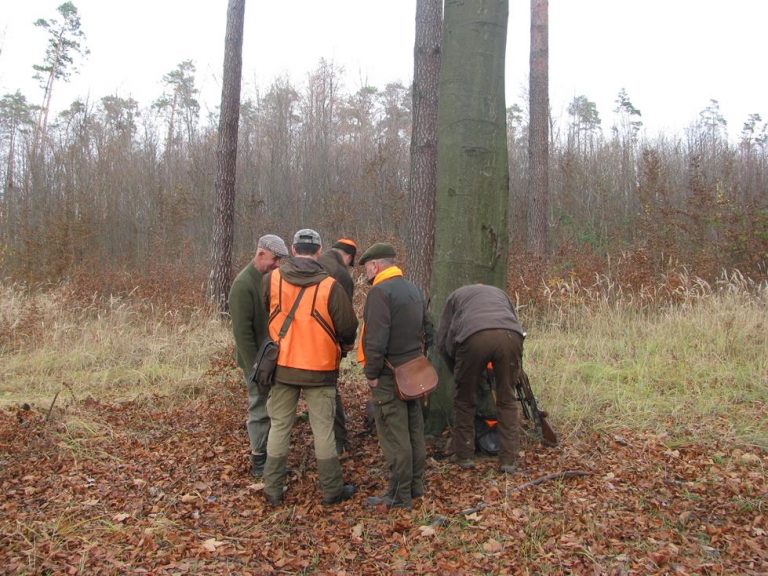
<point>336,262</point>
<point>249,326</point>
<point>312,319</point>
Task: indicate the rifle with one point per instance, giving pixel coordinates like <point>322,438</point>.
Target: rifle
<point>531,410</point>
<point>524,394</point>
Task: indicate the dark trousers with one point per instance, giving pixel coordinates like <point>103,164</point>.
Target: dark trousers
<point>503,348</point>
<point>400,429</point>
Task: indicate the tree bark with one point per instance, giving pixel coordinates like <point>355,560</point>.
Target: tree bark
<point>226,158</point>
<point>472,165</point>
<point>423,177</point>
<point>538,134</point>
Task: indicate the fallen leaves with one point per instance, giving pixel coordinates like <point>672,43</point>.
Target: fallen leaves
<point>493,546</point>
<point>427,531</point>
<point>357,531</point>
<point>172,494</point>
<point>211,544</point>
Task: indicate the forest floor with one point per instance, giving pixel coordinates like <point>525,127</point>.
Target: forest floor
<point>158,485</point>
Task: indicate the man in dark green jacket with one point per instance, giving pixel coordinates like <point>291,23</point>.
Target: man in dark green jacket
<point>396,329</point>
<point>336,262</point>
<point>249,326</point>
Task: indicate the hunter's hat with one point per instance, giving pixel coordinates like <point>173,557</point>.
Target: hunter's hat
<point>274,244</point>
<point>377,251</point>
<point>307,236</point>
<point>348,246</point>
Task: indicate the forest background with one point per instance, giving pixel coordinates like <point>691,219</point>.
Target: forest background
<point>119,180</point>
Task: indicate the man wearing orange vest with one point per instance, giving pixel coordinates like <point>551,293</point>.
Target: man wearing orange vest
<point>396,329</point>
<point>322,326</point>
<point>336,262</point>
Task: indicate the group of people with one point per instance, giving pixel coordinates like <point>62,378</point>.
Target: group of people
<point>310,292</point>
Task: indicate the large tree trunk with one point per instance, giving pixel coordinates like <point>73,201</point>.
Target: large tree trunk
<point>473,169</point>
<point>421,202</point>
<point>226,157</point>
<point>538,135</point>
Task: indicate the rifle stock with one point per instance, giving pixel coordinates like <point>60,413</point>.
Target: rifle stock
<point>531,410</point>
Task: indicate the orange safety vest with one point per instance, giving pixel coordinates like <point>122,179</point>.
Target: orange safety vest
<point>310,343</point>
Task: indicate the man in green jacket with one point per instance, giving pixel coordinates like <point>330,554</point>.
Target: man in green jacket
<point>396,329</point>
<point>249,326</point>
<point>336,262</point>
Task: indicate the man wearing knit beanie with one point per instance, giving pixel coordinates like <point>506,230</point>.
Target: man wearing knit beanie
<point>336,262</point>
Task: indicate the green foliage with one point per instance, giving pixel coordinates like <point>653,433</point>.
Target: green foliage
<point>15,113</point>
<point>65,38</point>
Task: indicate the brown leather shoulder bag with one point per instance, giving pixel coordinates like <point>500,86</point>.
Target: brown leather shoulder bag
<point>415,378</point>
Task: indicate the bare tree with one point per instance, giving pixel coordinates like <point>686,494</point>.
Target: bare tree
<point>538,134</point>
<point>226,157</point>
<point>423,178</point>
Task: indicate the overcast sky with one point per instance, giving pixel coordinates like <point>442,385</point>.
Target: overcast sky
<point>672,56</point>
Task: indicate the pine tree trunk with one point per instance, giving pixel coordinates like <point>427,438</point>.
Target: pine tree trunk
<point>226,157</point>
<point>538,135</point>
<point>472,165</point>
<point>423,177</point>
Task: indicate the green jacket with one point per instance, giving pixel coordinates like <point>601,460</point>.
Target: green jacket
<point>308,272</point>
<point>249,315</point>
<point>337,270</point>
<point>397,325</point>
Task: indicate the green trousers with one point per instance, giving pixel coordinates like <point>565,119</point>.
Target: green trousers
<point>400,429</point>
<point>281,407</point>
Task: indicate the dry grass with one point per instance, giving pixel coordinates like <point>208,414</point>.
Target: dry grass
<point>673,358</point>
<point>112,348</point>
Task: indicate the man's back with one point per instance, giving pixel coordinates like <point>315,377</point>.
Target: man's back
<point>473,308</point>
<point>397,327</point>
<point>324,320</point>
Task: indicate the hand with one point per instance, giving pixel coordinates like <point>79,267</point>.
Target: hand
<point>373,383</point>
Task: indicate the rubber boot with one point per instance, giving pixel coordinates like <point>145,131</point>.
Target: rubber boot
<point>257,464</point>
<point>274,478</point>
<point>331,482</point>
<point>417,488</point>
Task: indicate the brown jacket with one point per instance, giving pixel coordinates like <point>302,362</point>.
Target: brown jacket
<point>470,309</point>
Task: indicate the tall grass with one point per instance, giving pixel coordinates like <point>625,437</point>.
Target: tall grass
<point>110,348</point>
<point>687,357</point>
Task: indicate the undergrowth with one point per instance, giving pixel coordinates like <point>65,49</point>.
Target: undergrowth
<point>682,356</point>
